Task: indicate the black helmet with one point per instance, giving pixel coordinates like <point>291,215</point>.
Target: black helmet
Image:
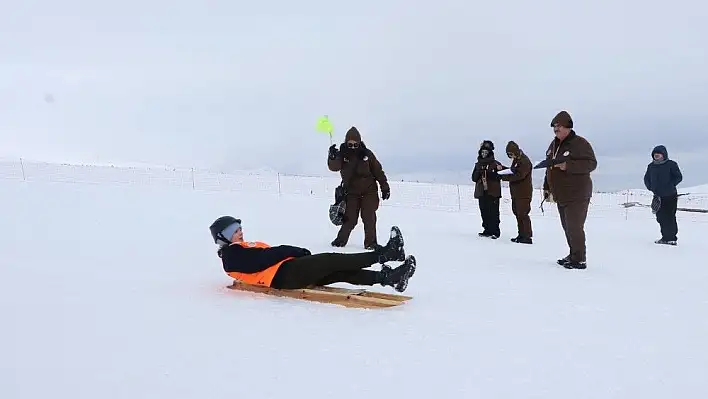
<point>219,225</point>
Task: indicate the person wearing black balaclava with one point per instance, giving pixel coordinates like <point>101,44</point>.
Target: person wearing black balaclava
<point>487,189</point>
<point>362,176</point>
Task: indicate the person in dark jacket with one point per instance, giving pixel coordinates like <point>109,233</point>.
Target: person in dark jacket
<point>521,189</point>
<point>361,174</point>
<point>487,189</point>
<point>661,178</point>
<point>292,267</point>
<point>571,160</point>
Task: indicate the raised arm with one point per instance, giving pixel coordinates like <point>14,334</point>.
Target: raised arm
<point>334,159</point>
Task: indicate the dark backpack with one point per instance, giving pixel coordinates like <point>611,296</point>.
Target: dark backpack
<point>339,207</point>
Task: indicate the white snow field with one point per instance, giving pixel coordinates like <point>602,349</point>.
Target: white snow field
<point>111,288</point>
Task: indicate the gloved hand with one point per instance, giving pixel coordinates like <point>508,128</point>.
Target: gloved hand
<point>333,152</point>
<point>546,194</point>
<point>385,194</point>
<point>306,252</point>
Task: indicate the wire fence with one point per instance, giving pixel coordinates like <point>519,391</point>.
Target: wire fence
<point>431,196</point>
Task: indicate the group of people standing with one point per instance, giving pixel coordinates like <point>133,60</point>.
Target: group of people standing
<point>570,159</point>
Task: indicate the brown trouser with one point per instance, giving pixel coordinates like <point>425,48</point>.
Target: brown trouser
<point>521,208</point>
<point>367,205</point>
<point>573,216</point>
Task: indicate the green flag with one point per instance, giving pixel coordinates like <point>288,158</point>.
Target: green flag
<point>325,126</point>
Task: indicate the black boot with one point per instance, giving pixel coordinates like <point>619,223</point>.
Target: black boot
<point>571,264</point>
<point>522,240</point>
<point>398,277</point>
<point>564,261</point>
<point>393,251</point>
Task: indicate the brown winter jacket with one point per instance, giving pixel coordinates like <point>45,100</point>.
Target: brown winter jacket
<point>359,168</point>
<point>574,183</point>
<point>520,183</point>
<point>486,169</point>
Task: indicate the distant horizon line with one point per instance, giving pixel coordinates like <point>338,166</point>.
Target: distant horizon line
<point>266,169</point>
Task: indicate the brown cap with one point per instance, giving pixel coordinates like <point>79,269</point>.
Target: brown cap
<point>563,118</point>
<point>353,135</point>
<point>512,148</point>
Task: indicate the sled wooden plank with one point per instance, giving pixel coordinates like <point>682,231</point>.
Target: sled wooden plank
<point>315,295</point>
<point>363,292</point>
<point>355,301</point>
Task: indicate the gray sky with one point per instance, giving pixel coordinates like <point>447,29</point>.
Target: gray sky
<point>232,84</point>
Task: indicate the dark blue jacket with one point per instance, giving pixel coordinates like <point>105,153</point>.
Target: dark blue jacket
<point>663,177</point>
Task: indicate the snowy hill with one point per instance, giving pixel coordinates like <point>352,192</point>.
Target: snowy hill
<point>702,189</point>
<point>112,289</point>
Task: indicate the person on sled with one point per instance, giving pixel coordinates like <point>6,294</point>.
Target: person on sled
<point>292,267</point>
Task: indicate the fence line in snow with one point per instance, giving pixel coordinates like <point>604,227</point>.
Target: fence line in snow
<point>431,196</point>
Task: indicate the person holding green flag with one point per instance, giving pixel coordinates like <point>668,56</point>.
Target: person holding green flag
<point>361,174</point>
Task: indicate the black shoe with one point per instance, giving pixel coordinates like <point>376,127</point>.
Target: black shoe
<point>393,251</point>
<point>398,277</point>
<point>575,265</point>
<point>484,234</point>
<point>522,240</point>
<point>372,247</point>
<point>665,242</point>
<point>564,261</point>
<point>337,243</point>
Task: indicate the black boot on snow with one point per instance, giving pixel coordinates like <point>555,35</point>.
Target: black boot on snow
<point>398,277</point>
<point>563,261</point>
<point>393,251</point>
<point>522,240</point>
<point>571,264</point>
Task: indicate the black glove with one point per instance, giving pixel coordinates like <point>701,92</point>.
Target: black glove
<point>306,252</point>
<point>385,194</point>
<point>333,152</point>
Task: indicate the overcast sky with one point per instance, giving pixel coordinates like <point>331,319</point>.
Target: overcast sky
<point>233,84</point>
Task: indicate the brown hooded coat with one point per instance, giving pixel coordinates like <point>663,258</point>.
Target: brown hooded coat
<point>521,188</point>
<point>361,174</point>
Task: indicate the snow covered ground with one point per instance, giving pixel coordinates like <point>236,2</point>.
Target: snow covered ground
<point>113,290</point>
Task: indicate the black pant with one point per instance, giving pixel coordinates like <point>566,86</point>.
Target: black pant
<point>489,207</point>
<point>327,268</point>
<point>666,216</point>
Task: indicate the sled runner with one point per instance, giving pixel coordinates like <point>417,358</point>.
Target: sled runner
<point>351,298</point>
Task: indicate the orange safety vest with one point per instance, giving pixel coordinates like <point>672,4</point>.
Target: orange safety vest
<point>262,278</point>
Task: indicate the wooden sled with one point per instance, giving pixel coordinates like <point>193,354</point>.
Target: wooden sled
<point>351,298</point>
